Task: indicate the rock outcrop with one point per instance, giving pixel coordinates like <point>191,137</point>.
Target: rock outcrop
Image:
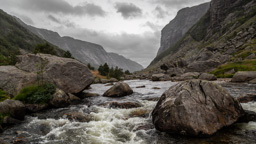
<point>61,99</point>
<point>13,108</point>
<point>184,20</point>
<point>244,76</point>
<point>197,108</point>
<point>12,79</point>
<point>206,76</point>
<point>67,74</point>
<point>118,90</point>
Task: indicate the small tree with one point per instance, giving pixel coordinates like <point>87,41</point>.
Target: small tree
<point>127,72</point>
<point>90,67</point>
<point>67,54</point>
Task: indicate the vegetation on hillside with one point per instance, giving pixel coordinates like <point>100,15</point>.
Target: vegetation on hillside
<point>36,94</point>
<point>14,37</point>
<point>224,71</point>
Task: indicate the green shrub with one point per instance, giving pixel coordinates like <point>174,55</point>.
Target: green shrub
<point>45,48</point>
<point>3,95</point>
<point>41,94</point>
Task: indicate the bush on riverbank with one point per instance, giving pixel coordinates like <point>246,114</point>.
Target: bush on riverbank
<point>3,95</point>
<point>41,94</point>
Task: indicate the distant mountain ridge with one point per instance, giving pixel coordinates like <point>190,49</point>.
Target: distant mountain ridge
<point>178,27</point>
<point>83,51</point>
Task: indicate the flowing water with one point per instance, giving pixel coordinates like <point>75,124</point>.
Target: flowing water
<point>122,126</point>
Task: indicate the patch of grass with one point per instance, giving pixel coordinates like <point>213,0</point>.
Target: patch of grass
<point>3,95</point>
<point>246,65</point>
<point>41,94</point>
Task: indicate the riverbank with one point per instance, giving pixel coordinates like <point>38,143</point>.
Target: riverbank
<point>108,124</point>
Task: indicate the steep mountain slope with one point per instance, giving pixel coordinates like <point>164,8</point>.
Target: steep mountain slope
<point>178,27</point>
<point>14,37</point>
<point>85,52</point>
<point>226,34</point>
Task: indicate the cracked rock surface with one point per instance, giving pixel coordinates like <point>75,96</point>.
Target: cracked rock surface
<point>197,108</point>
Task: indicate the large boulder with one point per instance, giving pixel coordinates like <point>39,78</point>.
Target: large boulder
<point>13,108</point>
<point>157,77</point>
<point>244,76</point>
<point>206,76</point>
<point>197,108</point>
<point>118,90</point>
<point>12,79</point>
<point>67,74</point>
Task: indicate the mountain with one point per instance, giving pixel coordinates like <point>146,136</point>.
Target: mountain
<point>178,27</point>
<point>14,37</point>
<point>222,42</point>
<point>83,51</point>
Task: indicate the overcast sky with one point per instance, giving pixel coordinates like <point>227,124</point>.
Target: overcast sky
<point>127,27</point>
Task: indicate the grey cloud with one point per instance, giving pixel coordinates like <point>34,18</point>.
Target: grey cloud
<point>61,6</point>
<point>52,18</point>
<point>160,12</point>
<point>128,10</point>
<point>153,26</point>
<point>26,19</point>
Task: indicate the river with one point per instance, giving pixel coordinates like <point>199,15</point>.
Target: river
<point>122,126</point>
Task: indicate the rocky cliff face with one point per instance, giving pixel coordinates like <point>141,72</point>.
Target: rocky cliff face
<point>224,38</point>
<point>85,52</point>
<point>184,20</point>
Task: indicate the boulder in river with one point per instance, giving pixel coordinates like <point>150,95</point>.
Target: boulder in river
<point>196,108</point>
<point>67,74</point>
<point>13,108</point>
<point>244,76</point>
<point>123,105</point>
<point>157,77</point>
<point>206,76</point>
<point>247,98</point>
<point>118,90</point>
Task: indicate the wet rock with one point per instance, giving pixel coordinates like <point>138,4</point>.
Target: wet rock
<point>77,116</point>
<point>156,88</point>
<point>247,117</point>
<point>139,113</point>
<point>67,74</point>
<point>252,81</point>
<point>12,79</point>
<point>19,140</point>
<point>14,108</point>
<point>73,100</point>
<point>123,105</point>
<point>141,86</point>
<point>60,99</point>
<point>152,99</point>
<point>244,76</point>
<point>36,107</point>
<point>10,121</point>
<point>144,127</point>
<point>86,95</point>
<point>112,80</point>
<point>197,108</point>
<point>1,131</point>
<point>187,76</point>
<point>157,77</point>
<point>44,128</point>
<point>118,90</point>
<point>206,76</point>
<point>110,84</point>
<point>247,98</point>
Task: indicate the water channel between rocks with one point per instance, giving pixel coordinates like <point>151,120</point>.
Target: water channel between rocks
<point>117,126</point>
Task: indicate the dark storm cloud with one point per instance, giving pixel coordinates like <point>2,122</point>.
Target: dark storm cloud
<point>179,3</point>
<point>61,6</point>
<point>160,12</point>
<point>52,18</point>
<point>128,10</point>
